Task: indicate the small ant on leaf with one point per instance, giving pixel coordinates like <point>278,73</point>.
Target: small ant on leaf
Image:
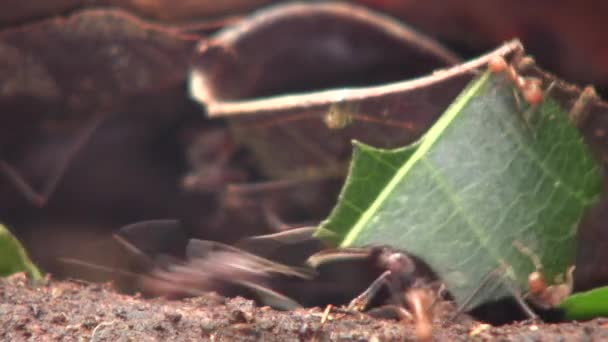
<point>529,87</point>
<point>539,293</point>
<point>580,109</point>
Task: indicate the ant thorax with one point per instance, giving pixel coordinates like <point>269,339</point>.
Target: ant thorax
<point>529,87</point>
<point>548,296</point>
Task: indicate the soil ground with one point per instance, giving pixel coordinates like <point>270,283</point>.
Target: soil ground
<point>75,311</point>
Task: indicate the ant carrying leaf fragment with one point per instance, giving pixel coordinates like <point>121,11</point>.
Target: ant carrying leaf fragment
<point>477,178</point>
<point>411,293</point>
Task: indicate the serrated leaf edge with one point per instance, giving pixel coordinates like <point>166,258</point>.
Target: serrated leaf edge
<point>429,139</point>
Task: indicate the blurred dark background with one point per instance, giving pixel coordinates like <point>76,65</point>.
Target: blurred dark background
<point>118,69</point>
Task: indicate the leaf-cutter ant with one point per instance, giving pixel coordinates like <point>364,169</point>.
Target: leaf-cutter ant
<point>411,297</point>
<point>530,88</point>
<point>540,294</point>
<point>538,299</point>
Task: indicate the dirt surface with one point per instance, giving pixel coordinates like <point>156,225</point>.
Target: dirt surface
<point>70,311</point>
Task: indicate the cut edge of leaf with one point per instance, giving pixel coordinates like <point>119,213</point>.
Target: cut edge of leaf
<point>360,149</point>
<point>427,141</point>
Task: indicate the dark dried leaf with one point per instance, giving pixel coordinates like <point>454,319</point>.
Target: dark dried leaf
<point>92,59</point>
<point>16,11</point>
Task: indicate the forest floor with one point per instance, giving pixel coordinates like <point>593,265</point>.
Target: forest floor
<point>74,310</point>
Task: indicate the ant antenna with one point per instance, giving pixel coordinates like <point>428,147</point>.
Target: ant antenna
<point>527,252</point>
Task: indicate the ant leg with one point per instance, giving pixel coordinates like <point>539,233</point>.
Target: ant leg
<point>514,291</point>
<point>579,111</point>
<point>244,189</point>
<point>40,199</point>
<point>421,301</point>
<point>535,96</point>
<point>269,297</point>
<point>391,311</point>
<point>527,252</point>
<point>467,302</point>
<point>570,277</point>
<point>237,195</point>
<point>517,296</point>
<point>525,116</point>
<point>439,294</point>
<point>395,288</point>
<point>362,300</point>
<point>241,195</point>
<point>134,251</point>
<point>28,192</point>
<point>315,148</point>
<point>273,219</point>
<point>99,268</point>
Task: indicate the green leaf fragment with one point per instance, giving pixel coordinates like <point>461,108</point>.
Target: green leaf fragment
<point>13,258</point>
<point>586,305</point>
<point>485,175</point>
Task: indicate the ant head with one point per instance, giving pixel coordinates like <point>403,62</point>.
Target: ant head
<point>532,91</point>
<point>536,283</point>
<point>397,262</point>
<point>497,64</point>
